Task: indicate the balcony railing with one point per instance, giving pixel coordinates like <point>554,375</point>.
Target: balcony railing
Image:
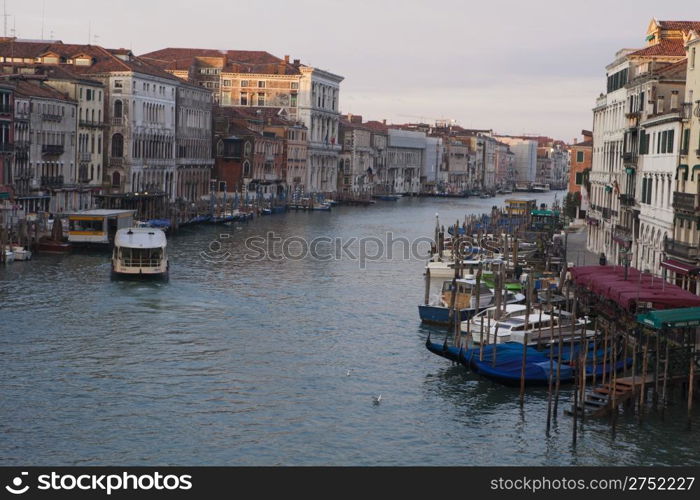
<point>91,123</point>
<point>627,200</point>
<point>52,149</point>
<point>5,108</point>
<point>84,156</point>
<point>52,182</point>
<point>6,147</point>
<point>51,117</point>
<point>685,202</point>
<point>629,158</point>
<point>678,249</point>
<point>117,121</point>
<point>116,162</point>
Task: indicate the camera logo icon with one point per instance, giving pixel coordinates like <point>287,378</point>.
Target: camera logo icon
<point>16,487</point>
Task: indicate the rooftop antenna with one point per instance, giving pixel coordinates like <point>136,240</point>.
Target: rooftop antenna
<point>89,32</point>
<point>4,15</point>
<point>43,8</point>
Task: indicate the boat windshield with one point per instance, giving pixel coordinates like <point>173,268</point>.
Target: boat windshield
<point>141,257</point>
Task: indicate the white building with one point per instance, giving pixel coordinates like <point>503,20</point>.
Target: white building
<point>405,160</point>
<point>525,158</point>
<point>319,110</point>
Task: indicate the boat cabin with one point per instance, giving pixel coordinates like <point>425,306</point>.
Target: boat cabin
<point>98,226</point>
<point>518,207</point>
<point>466,294</point>
<point>140,251</point>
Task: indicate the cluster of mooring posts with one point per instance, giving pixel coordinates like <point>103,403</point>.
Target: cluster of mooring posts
<point>617,338</point>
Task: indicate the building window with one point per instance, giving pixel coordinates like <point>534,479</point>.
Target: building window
<point>117,84</point>
<point>295,85</point>
<point>261,99</point>
<point>692,58</point>
<point>261,84</point>
<point>118,108</point>
<point>244,83</point>
<point>244,99</point>
<point>579,157</point>
<point>579,178</point>
<point>117,146</point>
<point>227,83</point>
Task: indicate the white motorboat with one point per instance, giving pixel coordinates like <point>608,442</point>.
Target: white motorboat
<point>9,256</point>
<point>21,253</point>
<point>537,328</point>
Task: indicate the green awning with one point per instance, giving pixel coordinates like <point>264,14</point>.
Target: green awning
<point>692,175</point>
<point>630,170</point>
<point>650,37</point>
<point>608,189</point>
<point>682,167</point>
<point>670,318</point>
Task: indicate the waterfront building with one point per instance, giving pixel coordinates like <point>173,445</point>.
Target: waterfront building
<point>140,137</point>
<point>642,84</point>
<point>580,164</point>
<point>356,161</point>
<point>504,174</point>
<point>406,150</point>
<point>7,143</point>
<point>433,165</point>
<point>45,171</point>
<point>379,151</point>
<point>459,159</point>
<point>525,159</point>
<point>257,78</point>
<point>682,262</point>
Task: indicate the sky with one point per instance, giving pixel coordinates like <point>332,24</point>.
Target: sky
<point>517,67</point>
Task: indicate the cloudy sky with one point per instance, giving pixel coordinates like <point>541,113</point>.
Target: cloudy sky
<point>514,66</point>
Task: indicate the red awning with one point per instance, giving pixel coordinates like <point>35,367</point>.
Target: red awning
<point>679,267</point>
<point>609,282</point>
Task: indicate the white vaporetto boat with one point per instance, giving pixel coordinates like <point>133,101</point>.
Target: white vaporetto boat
<point>140,252</point>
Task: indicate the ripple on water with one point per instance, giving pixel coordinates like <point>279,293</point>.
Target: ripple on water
<point>246,362</point>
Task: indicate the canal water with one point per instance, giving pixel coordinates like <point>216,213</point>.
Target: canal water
<point>245,361</point>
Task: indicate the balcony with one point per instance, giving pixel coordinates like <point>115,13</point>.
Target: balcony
<point>605,212</point>
<point>622,235</point>
<point>52,182</point>
<point>627,200</point>
<point>116,162</point>
<point>117,122</point>
<point>84,156</point>
<point>6,147</point>
<point>630,158</point>
<point>5,108</point>
<point>52,149</point>
<point>685,202</point>
<point>51,117</point>
<point>91,123</point>
<point>678,249</point>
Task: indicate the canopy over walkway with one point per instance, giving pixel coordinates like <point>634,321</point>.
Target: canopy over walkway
<point>639,288</point>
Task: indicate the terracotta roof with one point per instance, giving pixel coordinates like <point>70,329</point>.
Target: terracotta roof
<point>668,47</point>
<point>678,66</point>
<point>679,25</point>
<point>34,87</point>
<point>583,144</point>
<point>231,61</point>
<point>376,126</point>
<point>104,60</point>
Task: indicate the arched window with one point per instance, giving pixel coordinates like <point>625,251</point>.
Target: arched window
<point>118,108</point>
<point>117,146</point>
<point>246,168</point>
<point>116,179</point>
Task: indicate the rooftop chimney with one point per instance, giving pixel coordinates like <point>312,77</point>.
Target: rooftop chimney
<point>286,58</point>
<point>297,62</point>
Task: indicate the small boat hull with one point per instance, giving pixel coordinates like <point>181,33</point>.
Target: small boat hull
<point>438,315</point>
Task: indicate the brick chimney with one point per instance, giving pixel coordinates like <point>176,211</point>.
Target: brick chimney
<point>286,58</point>
<point>297,62</point>
<point>355,119</point>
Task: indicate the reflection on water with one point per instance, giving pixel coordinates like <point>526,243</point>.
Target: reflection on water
<point>240,362</point>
